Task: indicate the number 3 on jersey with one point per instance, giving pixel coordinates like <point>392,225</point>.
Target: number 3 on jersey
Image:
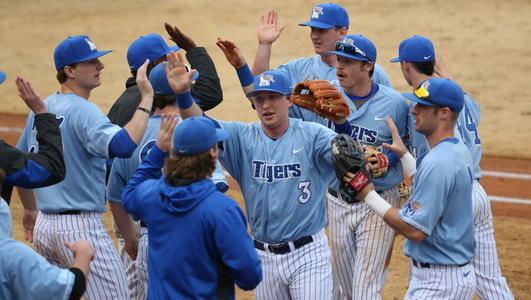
<point>304,186</point>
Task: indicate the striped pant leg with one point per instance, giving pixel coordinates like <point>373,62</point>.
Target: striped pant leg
<point>141,264</point>
<point>441,282</point>
<point>274,284</point>
<point>310,271</point>
<point>374,239</point>
<point>342,219</point>
<point>107,279</point>
<point>490,282</point>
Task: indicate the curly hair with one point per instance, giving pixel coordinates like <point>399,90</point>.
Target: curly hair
<point>194,166</point>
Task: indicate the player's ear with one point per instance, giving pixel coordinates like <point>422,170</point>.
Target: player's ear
<point>69,71</point>
<point>343,31</point>
<point>288,97</point>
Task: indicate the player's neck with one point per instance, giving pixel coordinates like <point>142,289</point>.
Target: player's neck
<point>276,132</point>
<point>438,135</point>
<point>70,87</point>
<point>329,59</point>
<point>417,79</point>
<point>360,89</point>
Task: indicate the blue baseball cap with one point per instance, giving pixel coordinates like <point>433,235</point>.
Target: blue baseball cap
<point>328,15</point>
<point>196,135</point>
<point>271,81</point>
<point>439,91</point>
<point>159,81</point>
<point>2,77</point>
<point>74,49</point>
<point>356,46</point>
<point>150,46</point>
<point>415,49</point>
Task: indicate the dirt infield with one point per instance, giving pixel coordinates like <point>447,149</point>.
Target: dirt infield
<point>485,44</point>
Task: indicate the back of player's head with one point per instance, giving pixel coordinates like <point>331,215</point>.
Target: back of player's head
<point>75,49</point>
<point>193,139</point>
<point>2,77</point>
<point>271,81</point>
<point>150,46</point>
<point>440,92</point>
<point>328,15</point>
<point>164,95</point>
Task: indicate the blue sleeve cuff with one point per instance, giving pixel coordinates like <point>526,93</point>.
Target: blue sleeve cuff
<point>185,100</point>
<point>343,128</point>
<point>31,176</point>
<point>121,145</point>
<point>245,75</point>
<point>157,156</point>
<point>393,159</point>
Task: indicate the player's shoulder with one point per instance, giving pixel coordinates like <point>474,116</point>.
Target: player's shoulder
<point>309,128</point>
<point>303,61</point>
<point>392,96</point>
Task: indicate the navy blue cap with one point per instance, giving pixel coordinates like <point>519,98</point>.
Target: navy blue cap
<point>196,135</point>
<point>2,77</point>
<point>150,46</point>
<point>271,81</point>
<point>74,49</point>
<point>439,91</point>
<point>159,81</point>
<point>328,15</point>
<point>415,49</point>
<point>356,46</point>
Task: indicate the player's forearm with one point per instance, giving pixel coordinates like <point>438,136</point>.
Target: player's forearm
<point>262,58</point>
<point>136,128</point>
<point>188,107</point>
<point>27,198</point>
<point>123,221</point>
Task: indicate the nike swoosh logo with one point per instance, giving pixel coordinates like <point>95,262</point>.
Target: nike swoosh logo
<point>379,119</point>
<point>466,274</point>
<point>427,57</point>
<point>295,151</point>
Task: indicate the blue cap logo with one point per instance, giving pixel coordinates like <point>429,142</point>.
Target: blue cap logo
<point>75,49</point>
<point>271,81</point>
<point>439,91</point>
<point>415,49</point>
<point>266,80</point>
<point>328,15</point>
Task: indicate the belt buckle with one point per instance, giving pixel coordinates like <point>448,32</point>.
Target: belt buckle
<point>279,248</point>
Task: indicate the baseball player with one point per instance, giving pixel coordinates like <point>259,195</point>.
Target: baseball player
<point>123,169</point>
<point>283,167</point>
<point>437,219</point>
<point>418,62</point>
<point>73,209</point>
<point>329,23</point>
<point>198,245</point>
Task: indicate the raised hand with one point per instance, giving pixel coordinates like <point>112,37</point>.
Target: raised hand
<point>178,78</point>
<point>167,126</point>
<point>142,81</point>
<point>397,146</point>
<point>30,97</point>
<point>269,30</point>
<point>440,68</point>
<point>181,39</point>
<point>233,54</point>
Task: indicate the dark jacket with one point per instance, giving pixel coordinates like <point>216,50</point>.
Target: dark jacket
<point>198,242</point>
<point>33,170</point>
<point>206,90</point>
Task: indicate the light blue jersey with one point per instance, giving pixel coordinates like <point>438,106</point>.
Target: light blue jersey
<point>467,125</point>
<point>5,220</point>
<point>369,126</point>
<point>123,169</point>
<point>86,134</point>
<point>441,206</point>
<point>310,68</point>
<point>283,181</point>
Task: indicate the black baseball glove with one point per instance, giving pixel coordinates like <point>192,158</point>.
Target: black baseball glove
<point>348,156</point>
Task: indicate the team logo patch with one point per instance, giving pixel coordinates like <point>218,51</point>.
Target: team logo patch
<point>266,80</point>
<point>146,148</point>
<point>316,12</point>
<point>412,207</point>
<point>348,41</point>
<point>91,44</point>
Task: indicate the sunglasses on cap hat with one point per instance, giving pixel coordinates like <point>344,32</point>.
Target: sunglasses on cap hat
<point>350,49</point>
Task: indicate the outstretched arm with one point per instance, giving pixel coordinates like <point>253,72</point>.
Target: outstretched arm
<point>268,32</point>
<point>207,87</point>
<point>235,57</point>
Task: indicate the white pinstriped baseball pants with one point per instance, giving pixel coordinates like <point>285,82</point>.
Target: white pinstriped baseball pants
<point>302,274</point>
<point>441,282</point>
<point>490,282</point>
<point>360,242</point>
<point>135,271</point>
<point>107,278</point>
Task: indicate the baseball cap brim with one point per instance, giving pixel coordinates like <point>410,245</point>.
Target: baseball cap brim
<point>350,56</point>
<point>317,24</point>
<point>93,56</point>
<point>253,93</point>
<point>416,99</point>
<point>2,77</point>
<point>395,60</point>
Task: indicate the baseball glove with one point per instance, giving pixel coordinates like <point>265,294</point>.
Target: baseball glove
<point>321,97</point>
<point>377,162</point>
<point>348,156</point>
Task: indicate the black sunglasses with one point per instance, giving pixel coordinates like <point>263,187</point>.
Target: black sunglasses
<point>350,49</point>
